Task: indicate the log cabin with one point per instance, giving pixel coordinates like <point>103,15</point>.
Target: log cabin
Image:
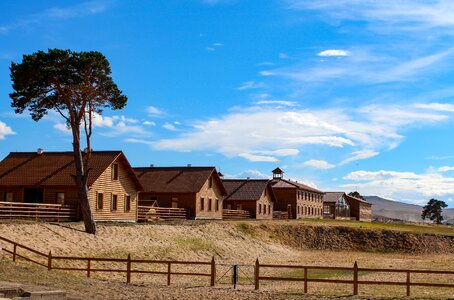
<point>199,190</point>
<point>339,205</point>
<point>297,199</point>
<point>253,195</point>
<point>48,178</point>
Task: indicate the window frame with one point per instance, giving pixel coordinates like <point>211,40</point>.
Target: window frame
<point>115,171</point>
<point>57,194</point>
<point>127,203</point>
<point>112,206</point>
<point>99,196</point>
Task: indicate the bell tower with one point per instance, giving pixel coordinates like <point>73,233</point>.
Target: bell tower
<point>278,173</point>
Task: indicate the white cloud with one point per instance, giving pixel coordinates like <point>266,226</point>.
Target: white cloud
<point>334,52</point>
<point>318,164</point>
<point>278,102</point>
<point>258,132</point>
<point>154,111</point>
<point>169,126</point>
<point>283,55</point>
<point>446,169</point>
<point>149,123</point>
<point>437,106</point>
<point>5,130</point>
<point>62,128</point>
<point>250,85</point>
<point>400,185</point>
<point>251,173</point>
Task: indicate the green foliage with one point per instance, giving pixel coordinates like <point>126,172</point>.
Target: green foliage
<point>65,81</point>
<point>433,209</point>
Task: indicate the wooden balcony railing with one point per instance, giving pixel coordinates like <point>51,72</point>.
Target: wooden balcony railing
<point>147,213</point>
<point>38,211</point>
<point>235,214</point>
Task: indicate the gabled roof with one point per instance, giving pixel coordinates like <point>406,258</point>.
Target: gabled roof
<point>288,184</point>
<point>55,168</point>
<point>176,179</point>
<point>246,189</point>
<point>332,197</point>
<point>277,171</point>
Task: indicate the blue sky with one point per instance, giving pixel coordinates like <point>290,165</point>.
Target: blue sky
<point>343,95</point>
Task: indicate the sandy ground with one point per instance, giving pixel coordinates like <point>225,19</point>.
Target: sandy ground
<point>228,242</point>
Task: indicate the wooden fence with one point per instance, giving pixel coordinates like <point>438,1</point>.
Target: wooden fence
<point>235,214</point>
<point>50,263</point>
<point>38,211</point>
<point>281,215</point>
<point>355,281</point>
<point>147,213</point>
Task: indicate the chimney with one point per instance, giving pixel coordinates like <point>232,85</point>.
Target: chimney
<point>39,151</point>
<point>189,165</point>
<point>151,165</point>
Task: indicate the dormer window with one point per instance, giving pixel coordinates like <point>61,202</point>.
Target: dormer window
<point>115,172</point>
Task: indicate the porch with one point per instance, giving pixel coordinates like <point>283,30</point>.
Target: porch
<point>152,213</point>
<point>38,211</point>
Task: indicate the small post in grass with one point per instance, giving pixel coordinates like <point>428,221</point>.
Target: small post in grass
<point>128,269</point>
<point>49,261</point>
<point>355,279</point>
<point>408,283</point>
<point>14,252</point>
<point>88,267</point>
<point>305,280</point>
<point>168,272</point>
<point>213,272</point>
<point>256,274</point>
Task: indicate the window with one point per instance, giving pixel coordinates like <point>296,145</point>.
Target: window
<point>299,207</point>
<point>217,205</point>
<point>100,201</point>
<point>264,209</point>
<point>115,171</point>
<point>127,203</point>
<point>9,197</point>
<point>209,204</point>
<point>60,198</point>
<point>260,208</point>
<point>269,209</point>
<point>202,204</point>
<point>114,202</point>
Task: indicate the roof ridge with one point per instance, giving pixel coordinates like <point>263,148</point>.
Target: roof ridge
<point>235,190</point>
<point>55,172</point>
<point>17,166</point>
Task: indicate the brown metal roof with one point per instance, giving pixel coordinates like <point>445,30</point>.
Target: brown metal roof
<point>284,183</point>
<point>55,168</point>
<point>246,189</point>
<point>332,197</point>
<point>176,179</point>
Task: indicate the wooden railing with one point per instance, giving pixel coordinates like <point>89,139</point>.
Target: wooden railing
<point>235,214</point>
<point>38,211</point>
<point>355,281</point>
<point>49,262</point>
<point>280,215</point>
<point>147,213</point>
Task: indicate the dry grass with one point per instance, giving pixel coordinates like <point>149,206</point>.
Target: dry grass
<point>230,242</point>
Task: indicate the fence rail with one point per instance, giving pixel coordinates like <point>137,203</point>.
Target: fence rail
<point>38,211</point>
<point>49,261</point>
<point>355,282</point>
<point>147,213</point>
<point>282,215</point>
<point>235,214</point>
<point>129,262</point>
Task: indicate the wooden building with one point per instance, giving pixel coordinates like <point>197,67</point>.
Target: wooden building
<point>48,177</point>
<point>197,189</point>
<point>297,199</point>
<point>253,195</point>
<point>339,205</point>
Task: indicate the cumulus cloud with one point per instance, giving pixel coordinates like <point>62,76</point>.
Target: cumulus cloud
<point>401,185</point>
<point>251,173</point>
<point>334,52</point>
<point>446,169</point>
<point>258,132</point>
<point>169,126</point>
<point>5,130</point>
<point>447,107</point>
<point>318,164</point>
<point>154,111</point>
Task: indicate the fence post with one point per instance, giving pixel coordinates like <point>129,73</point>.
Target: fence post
<point>14,252</point>
<point>355,279</point>
<point>128,269</point>
<point>257,274</point>
<point>213,271</point>
<point>408,283</point>
<point>49,261</point>
<point>88,267</point>
<point>305,280</point>
<point>168,273</point>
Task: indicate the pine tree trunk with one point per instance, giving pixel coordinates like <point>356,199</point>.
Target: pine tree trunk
<point>81,182</point>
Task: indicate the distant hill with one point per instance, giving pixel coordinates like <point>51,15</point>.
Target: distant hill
<point>403,211</point>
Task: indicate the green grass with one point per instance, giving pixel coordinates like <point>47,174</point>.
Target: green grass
<point>194,243</point>
<point>412,228</point>
<point>245,228</point>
